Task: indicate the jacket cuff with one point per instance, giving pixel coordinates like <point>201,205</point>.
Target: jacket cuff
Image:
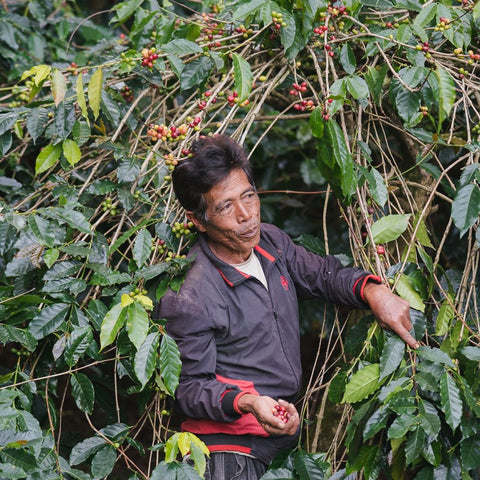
<point>229,403</point>
<point>359,285</point>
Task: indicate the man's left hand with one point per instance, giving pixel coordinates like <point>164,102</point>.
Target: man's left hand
<point>390,310</point>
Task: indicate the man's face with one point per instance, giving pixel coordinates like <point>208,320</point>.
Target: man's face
<point>233,218</point>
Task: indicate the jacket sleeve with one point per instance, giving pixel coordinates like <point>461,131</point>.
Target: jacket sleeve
<point>199,394</point>
<point>323,277</point>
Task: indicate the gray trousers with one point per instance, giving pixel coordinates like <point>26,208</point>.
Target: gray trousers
<point>233,466</point>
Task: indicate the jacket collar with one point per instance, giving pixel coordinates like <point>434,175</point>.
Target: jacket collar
<point>265,250</point>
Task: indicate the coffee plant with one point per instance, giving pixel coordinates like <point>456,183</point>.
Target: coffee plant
<point>369,109</point>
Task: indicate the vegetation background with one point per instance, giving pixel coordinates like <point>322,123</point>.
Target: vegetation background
<point>362,122</point>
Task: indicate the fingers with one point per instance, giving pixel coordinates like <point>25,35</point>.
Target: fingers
<point>282,418</point>
<point>405,335</point>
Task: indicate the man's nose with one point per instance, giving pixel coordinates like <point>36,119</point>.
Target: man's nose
<point>243,212</point>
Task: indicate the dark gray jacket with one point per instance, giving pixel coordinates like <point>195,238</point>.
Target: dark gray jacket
<point>235,335</point>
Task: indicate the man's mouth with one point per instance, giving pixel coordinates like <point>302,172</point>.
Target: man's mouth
<point>251,232</point>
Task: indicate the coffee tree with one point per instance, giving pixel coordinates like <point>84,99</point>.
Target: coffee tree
<point>380,101</point>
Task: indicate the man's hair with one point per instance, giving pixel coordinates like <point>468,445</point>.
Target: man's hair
<point>212,160</point>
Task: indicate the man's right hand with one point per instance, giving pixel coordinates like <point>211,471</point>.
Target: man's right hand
<point>262,408</point>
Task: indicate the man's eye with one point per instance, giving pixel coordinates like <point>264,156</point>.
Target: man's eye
<point>225,209</point>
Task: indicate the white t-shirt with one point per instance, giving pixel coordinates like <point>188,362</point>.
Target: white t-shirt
<point>253,268</point>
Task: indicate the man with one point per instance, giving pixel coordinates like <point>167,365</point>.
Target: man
<point>235,318</point>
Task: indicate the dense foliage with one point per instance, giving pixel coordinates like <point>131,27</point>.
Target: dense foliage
<point>373,105</point>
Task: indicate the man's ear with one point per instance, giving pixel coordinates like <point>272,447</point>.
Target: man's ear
<point>198,225</point>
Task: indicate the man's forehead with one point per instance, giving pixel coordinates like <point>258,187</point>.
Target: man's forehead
<point>232,186</point>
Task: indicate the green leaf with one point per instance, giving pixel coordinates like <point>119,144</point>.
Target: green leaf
<point>71,152</point>
<point>171,448</point>
<point>466,207</point>
<point>81,451</point>
<point>7,121</point>
<point>103,462</point>
<point>83,392</point>
<point>392,355</point>
<point>181,46</point>
<point>48,320</point>
<point>377,185</point>
<point>137,324</point>
<point>112,323</point>
<point>142,247</point>
<point>59,86</point>
<point>42,229</point>
<point>389,227</point>
<point>316,122</point>
<point>170,363</point>
<point>435,355</point>
<point>335,161</point>
<point>77,343</point>
<point>36,122</point>
<point>375,78</point>
<point>470,453</point>
<point>405,289</point>
<point>362,384</point>
<point>476,11</point>
<point>451,402</point>
<point>357,87</point>
<point>472,353</point>
<point>414,446</point>
<point>70,216</point>
<point>401,425</point>
<point>407,103</point>
<point>307,466</point>
<point>146,358</point>
<point>445,315</point>
<point>426,15</point>
<point>378,421</point>
<point>174,471</point>
<point>19,458</point>
<point>39,73</point>
<point>124,10</point>
<point>82,103</point>
<point>196,73</point>
<point>95,92</point>
<point>9,471</point>
<point>152,271</point>
<point>347,58</point>
<point>429,419</point>
<point>246,9</point>
<point>446,94</point>
<point>243,76</point>
<point>198,457</point>
<point>47,158</point>
<point>288,34</point>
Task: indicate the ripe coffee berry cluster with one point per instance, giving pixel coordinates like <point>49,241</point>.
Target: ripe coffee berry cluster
<point>336,11</point>
<point>304,105</point>
<point>232,99</point>
<point>281,412</point>
<point>424,47</point>
<point>296,88</point>
<point>320,30</point>
<point>127,93</point>
<point>162,132</point>
<point>149,56</point>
